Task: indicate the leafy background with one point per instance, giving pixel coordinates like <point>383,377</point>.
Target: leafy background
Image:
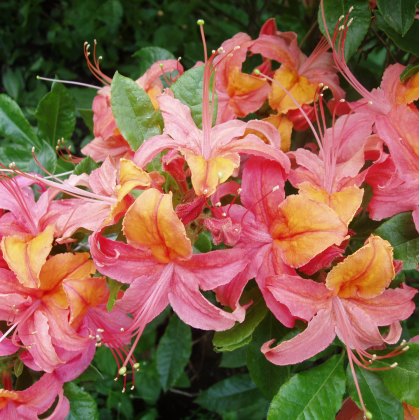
<point>181,375</point>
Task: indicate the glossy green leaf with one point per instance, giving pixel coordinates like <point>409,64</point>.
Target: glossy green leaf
<point>230,394</point>
<point>147,382</point>
<point>189,90</point>
<point>86,166</point>
<point>13,82</point>
<point>203,242</point>
<point>241,334</point>
<point>409,42</point>
<point>403,380</point>
<point>82,405</point>
<point>359,27</point>
<point>56,114</point>
<point>121,404</point>
<point>150,55</point>
<point>402,234</point>
<point>313,394</point>
<point>134,114</point>
<point>378,400</point>
<point>267,376</point>
<point>114,288</point>
<point>13,125</point>
<point>20,152</point>
<point>398,14</point>
<point>173,352</point>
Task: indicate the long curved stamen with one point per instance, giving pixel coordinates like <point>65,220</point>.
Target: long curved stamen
<point>95,66</point>
<point>68,82</point>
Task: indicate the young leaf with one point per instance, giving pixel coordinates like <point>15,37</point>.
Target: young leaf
<point>173,352</point>
<point>56,114</point>
<point>189,90</point>
<point>82,405</point>
<point>376,397</point>
<point>359,27</point>
<point>398,14</point>
<point>13,125</point>
<point>86,166</point>
<point>150,55</point>
<point>133,111</point>
<point>230,394</point>
<point>241,334</point>
<point>403,381</point>
<point>313,394</point>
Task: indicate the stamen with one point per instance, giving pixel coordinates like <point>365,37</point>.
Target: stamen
<point>69,82</point>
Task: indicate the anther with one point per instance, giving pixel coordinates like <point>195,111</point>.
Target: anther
<point>341,18</point>
<point>325,87</point>
<point>368,415</point>
<point>349,22</point>
<point>239,190</point>
<point>321,85</point>
<point>238,47</point>
<point>116,379</point>
<point>405,348</point>
<point>205,191</point>
<point>401,344</point>
<point>122,371</point>
<point>342,100</point>
<point>200,22</point>
<point>341,28</point>
<point>370,102</point>
<point>257,72</point>
<point>100,57</point>
<point>224,214</point>
<point>218,204</point>
<point>12,165</point>
<point>100,330</point>
<point>394,365</point>
<point>220,174</point>
<point>123,390</point>
<point>132,387</point>
<point>136,366</point>
<point>122,329</point>
<point>276,188</point>
<point>374,356</point>
<point>351,9</point>
<point>221,50</point>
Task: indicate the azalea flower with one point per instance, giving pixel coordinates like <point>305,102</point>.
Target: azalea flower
<point>35,400</point>
<point>108,141</point>
<point>158,263</point>
<point>54,308</point>
<point>277,233</point>
<point>352,304</point>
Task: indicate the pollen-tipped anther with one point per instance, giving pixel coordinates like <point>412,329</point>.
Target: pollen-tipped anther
<point>257,72</point>
<point>224,214</point>
<point>122,329</point>
<point>200,22</point>
<point>205,191</point>
<point>405,348</point>
<point>122,370</point>
<point>239,190</point>
<point>368,415</point>
<point>221,50</point>
<point>276,188</point>
<point>342,100</point>
<point>351,9</point>
<point>341,18</point>
<point>218,204</point>
<point>123,391</point>
<point>394,365</point>
<point>132,387</point>
<point>136,366</point>
<point>349,22</point>
<point>341,28</point>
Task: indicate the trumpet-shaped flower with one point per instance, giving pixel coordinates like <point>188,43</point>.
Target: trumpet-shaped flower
<point>278,234</point>
<point>52,305</point>
<point>352,304</point>
<point>212,154</point>
<point>158,263</point>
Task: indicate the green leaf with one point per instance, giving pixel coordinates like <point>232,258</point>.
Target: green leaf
<point>408,72</point>
<point>230,394</point>
<point>56,114</point>
<point>267,376</point>
<point>86,166</point>
<point>189,90</point>
<point>82,405</point>
<point>313,394</point>
<point>18,368</point>
<point>241,334</point>
<point>114,288</point>
<point>173,352</point>
<point>359,27</point>
<point>13,82</point>
<point>147,383</point>
<point>203,242</point>
<point>376,397</point>
<point>409,42</point>
<point>403,380</point>
<point>20,152</point>
<point>134,114</point>
<point>234,359</point>
<point>401,233</point>
<point>120,403</point>
<point>150,55</point>
<point>398,14</point>
<point>13,125</point>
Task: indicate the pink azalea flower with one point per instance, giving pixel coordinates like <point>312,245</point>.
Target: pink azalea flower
<point>159,265</point>
<point>352,304</point>
<point>277,234</point>
<point>35,400</point>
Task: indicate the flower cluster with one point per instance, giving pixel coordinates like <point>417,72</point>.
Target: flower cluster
<point>277,213</point>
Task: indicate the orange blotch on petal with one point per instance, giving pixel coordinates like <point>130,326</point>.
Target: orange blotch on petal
<point>206,175</point>
<point>303,228</point>
<point>409,91</point>
<point>131,176</point>
<point>366,273</point>
<point>345,202</point>
<point>151,222</point>
<point>242,83</point>
<point>284,127</point>
<point>83,293</point>
<point>25,256</point>
<point>299,87</point>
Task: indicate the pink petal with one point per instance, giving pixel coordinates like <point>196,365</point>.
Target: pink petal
<point>317,336</point>
<point>196,311</point>
<point>121,261</point>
